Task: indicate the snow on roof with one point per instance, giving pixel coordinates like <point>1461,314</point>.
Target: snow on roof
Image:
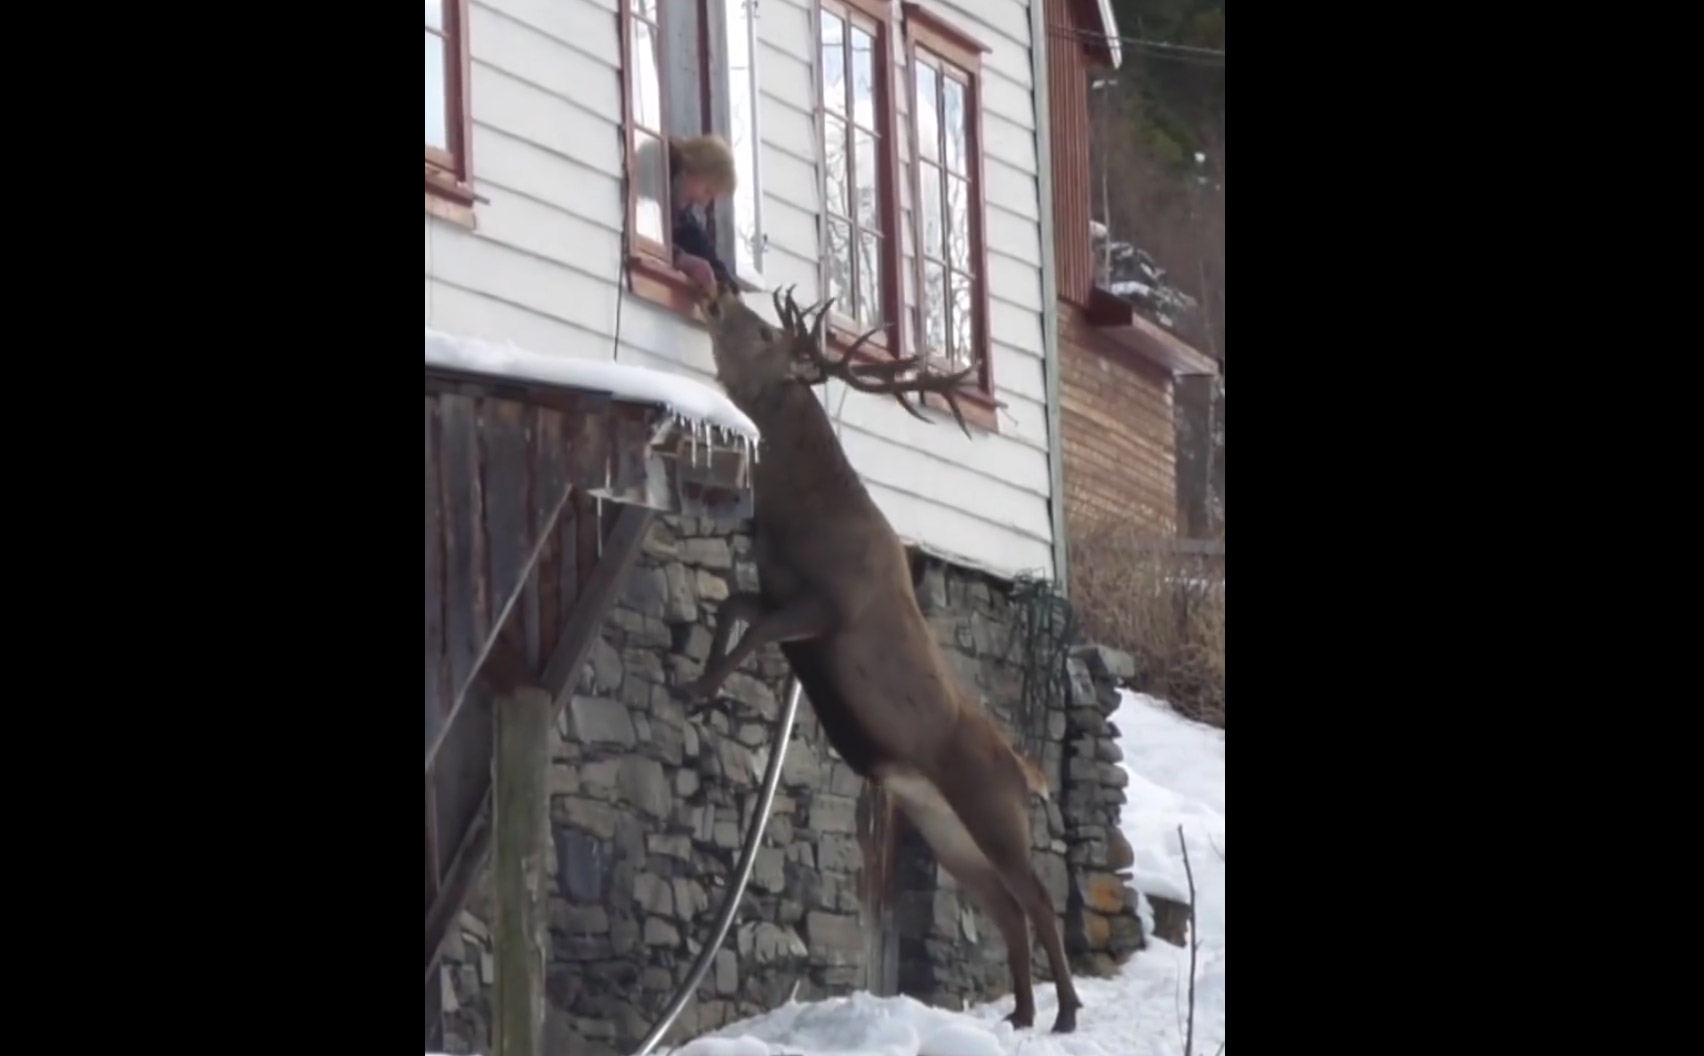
<point>686,398</point>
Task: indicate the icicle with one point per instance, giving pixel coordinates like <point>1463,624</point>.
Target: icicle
<point>600,527</point>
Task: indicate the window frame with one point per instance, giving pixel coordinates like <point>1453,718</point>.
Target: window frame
<point>842,331</point>
<point>449,173</point>
<point>649,265</point>
<point>719,110</point>
<point>945,43</point>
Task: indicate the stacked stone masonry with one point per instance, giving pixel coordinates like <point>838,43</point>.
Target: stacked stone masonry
<point>649,809</point>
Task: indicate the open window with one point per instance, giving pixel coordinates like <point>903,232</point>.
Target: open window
<point>860,226</point>
<point>950,215</point>
<point>449,134</point>
<point>691,68</point>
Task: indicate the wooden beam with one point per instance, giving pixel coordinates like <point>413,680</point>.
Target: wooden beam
<point>621,547</point>
<point>435,741</point>
<point>522,803</point>
<point>458,883</point>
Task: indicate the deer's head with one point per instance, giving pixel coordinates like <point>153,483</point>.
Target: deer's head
<point>751,353</point>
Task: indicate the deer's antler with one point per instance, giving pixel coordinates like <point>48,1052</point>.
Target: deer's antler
<point>887,379</point>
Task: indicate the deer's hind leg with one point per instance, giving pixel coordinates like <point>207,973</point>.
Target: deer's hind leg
<point>1000,825</point>
<point>991,895</point>
<point>957,851</point>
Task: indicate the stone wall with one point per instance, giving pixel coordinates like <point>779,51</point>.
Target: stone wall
<point>649,808</point>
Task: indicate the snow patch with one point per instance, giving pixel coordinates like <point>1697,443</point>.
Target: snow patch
<point>689,399</point>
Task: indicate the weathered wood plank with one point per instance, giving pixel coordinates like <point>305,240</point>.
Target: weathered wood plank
<point>549,483</point>
<point>522,835</point>
<point>459,878</point>
<point>620,550</point>
<point>508,531</point>
<point>464,624</point>
<point>433,878</point>
<point>436,690</point>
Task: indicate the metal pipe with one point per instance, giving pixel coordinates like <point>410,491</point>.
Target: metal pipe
<point>742,874</point>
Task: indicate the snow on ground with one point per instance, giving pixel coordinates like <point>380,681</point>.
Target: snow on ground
<point>687,398</point>
<point>1177,777</point>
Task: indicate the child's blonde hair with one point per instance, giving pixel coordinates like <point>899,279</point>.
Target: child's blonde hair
<point>705,156</point>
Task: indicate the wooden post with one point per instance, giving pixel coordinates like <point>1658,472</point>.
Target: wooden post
<point>520,867</point>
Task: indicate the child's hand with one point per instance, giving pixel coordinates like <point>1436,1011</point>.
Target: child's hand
<point>698,270</point>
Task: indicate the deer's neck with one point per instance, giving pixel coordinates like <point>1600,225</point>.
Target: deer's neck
<point>801,464</point>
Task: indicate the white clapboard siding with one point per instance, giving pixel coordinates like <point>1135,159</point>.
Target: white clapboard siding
<point>541,269</point>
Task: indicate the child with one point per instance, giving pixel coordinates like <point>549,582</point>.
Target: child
<point>701,170</point>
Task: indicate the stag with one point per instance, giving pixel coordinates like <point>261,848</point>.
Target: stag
<point>837,595</point>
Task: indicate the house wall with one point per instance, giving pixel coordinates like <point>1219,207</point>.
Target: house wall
<point>542,268</point>
<point>1119,437</point>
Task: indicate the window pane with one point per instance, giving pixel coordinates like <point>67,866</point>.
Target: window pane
<point>864,179</point>
<point>953,116</point>
<point>647,82</point>
<point>437,122</point>
<point>649,185</point>
<point>929,177</point>
<point>742,109</point>
<point>833,63</point>
<point>840,265</point>
<point>434,14</point>
<point>863,78</point>
<point>961,320</point>
<point>834,159</point>
<point>958,223</point>
<point>869,279</point>
<point>928,124</point>
<point>646,9</point>
<point>935,309</point>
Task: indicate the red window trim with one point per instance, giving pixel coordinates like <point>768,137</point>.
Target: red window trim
<point>651,274</point>
<point>449,174</point>
<point>877,15</point>
<point>928,31</point>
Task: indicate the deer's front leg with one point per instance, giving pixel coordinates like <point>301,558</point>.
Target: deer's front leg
<point>806,617</point>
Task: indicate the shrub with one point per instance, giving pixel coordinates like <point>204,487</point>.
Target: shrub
<point>1167,610</point>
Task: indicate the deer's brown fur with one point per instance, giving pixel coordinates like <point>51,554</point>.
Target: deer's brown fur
<point>837,594</point>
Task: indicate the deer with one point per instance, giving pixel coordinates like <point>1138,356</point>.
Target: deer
<point>837,594</point>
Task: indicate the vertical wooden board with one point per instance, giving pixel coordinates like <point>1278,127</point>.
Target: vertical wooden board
<point>508,531</point>
<point>569,573</point>
<point>436,693</point>
<point>550,484</point>
<point>521,848</point>
<point>464,626</point>
<point>593,530</point>
<point>434,851</point>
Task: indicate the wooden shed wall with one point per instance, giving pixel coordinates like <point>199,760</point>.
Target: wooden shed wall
<point>1068,109</point>
<point>1120,447</point>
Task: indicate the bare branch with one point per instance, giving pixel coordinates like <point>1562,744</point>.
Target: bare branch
<point>1194,944</point>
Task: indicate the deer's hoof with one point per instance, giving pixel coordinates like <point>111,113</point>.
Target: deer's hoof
<point>1021,1020</point>
<point>1067,1021</point>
